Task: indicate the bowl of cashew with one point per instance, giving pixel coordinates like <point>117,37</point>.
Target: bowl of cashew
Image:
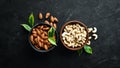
<point>74,35</point>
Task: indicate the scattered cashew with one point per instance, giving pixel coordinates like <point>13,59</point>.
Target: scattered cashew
<point>95,30</point>
<point>90,30</point>
<point>89,42</point>
<point>95,36</point>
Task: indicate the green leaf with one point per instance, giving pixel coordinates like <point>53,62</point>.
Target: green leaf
<point>51,32</point>
<point>80,51</point>
<point>27,27</point>
<point>31,19</point>
<point>52,40</point>
<point>88,49</point>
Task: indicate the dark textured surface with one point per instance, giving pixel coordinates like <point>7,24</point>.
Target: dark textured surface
<point>16,52</point>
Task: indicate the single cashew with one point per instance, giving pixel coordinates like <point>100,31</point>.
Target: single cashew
<point>95,30</point>
<point>90,30</point>
<point>95,36</point>
<point>90,37</point>
<point>89,42</point>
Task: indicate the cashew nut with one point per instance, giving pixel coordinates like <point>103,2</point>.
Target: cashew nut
<point>90,30</point>
<point>95,36</point>
<point>95,30</point>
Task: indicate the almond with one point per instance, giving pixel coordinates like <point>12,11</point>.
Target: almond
<point>47,28</point>
<point>51,19</point>
<point>54,25</point>
<point>31,39</point>
<point>40,44</point>
<point>55,19</point>
<point>46,22</point>
<point>40,16</point>
<point>36,46</point>
<point>51,24</point>
<point>34,32</point>
<point>47,15</point>
<point>38,32</point>
<point>36,41</point>
<point>45,46</point>
<point>34,35</point>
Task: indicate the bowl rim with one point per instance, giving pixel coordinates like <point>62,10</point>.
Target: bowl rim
<point>33,45</point>
<point>74,22</point>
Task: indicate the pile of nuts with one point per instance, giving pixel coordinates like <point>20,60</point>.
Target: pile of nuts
<point>49,19</point>
<point>92,31</point>
<point>74,35</point>
<point>39,37</point>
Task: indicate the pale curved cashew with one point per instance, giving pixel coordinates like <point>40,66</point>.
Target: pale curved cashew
<point>95,30</point>
<point>95,36</point>
<point>89,42</point>
<point>90,30</point>
<point>90,37</point>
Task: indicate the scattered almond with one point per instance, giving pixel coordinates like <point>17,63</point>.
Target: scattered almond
<point>40,16</point>
<point>55,19</point>
<point>52,19</point>
<point>47,15</point>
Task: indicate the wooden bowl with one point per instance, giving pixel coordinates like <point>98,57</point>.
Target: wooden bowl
<point>70,23</point>
<point>39,50</point>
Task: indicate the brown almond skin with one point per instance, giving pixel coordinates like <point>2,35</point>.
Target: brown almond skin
<point>40,16</point>
<point>55,19</point>
<point>54,25</point>
<point>41,40</point>
<point>51,24</point>
<point>46,33</point>
<point>52,19</point>
<point>36,41</point>
<point>40,44</point>
<point>31,39</point>
<point>47,28</point>
<point>38,32</point>
<point>43,36</point>
<point>46,47</point>
<point>41,31</point>
<point>47,15</point>
<point>45,41</point>
<point>41,27</point>
<point>34,35</point>
<point>46,22</point>
<point>34,32</point>
<point>36,46</point>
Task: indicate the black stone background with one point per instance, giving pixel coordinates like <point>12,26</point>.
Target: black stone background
<point>16,52</point>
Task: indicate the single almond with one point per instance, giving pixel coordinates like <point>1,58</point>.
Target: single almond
<point>45,41</point>
<point>46,22</point>
<point>36,46</point>
<point>34,32</point>
<point>38,32</point>
<point>40,16</point>
<point>45,46</point>
<point>31,39</point>
<point>47,15</point>
<point>36,41</point>
<point>54,25</point>
<point>40,44</point>
<point>34,35</point>
<point>55,19</point>
<point>52,19</point>
<point>51,24</point>
<point>47,28</point>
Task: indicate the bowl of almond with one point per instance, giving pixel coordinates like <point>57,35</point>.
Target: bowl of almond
<point>74,35</point>
<point>42,37</point>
